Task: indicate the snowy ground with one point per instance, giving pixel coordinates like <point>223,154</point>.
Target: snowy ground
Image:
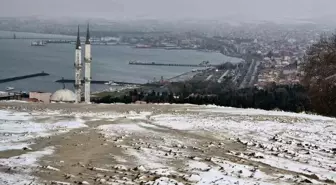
<point>163,145</point>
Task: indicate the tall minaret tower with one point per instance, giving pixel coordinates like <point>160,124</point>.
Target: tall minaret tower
<point>78,69</point>
<point>87,60</point>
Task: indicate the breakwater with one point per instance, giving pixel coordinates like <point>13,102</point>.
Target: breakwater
<point>23,77</point>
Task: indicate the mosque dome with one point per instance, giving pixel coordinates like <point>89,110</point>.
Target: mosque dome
<point>63,95</point>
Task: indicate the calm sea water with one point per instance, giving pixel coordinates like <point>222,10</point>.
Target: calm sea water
<point>17,58</point>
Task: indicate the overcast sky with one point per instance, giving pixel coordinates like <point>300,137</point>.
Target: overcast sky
<point>169,9</point>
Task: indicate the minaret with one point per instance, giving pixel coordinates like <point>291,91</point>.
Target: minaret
<point>78,69</point>
<point>87,60</point>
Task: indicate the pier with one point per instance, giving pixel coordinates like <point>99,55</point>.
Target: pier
<point>104,82</point>
<point>59,41</point>
<point>29,38</point>
<point>43,39</point>
<point>23,77</point>
<point>203,64</point>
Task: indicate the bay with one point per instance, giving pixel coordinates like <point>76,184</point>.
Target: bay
<point>18,57</point>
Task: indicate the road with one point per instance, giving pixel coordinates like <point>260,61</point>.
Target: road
<point>248,75</point>
<point>254,75</point>
<point>220,79</point>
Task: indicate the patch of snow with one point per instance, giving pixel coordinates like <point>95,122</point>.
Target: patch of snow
<point>60,183</point>
<point>214,176</point>
<point>235,169</point>
<point>12,146</point>
<point>254,112</point>
<point>294,166</point>
<point>28,159</point>
<point>306,144</point>
<point>97,115</point>
<point>146,157</point>
<point>164,181</point>
<point>142,124</point>
<point>126,128</point>
<point>120,129</point>
<point>179,122</point>
<point>140,115</point>
<point>141,168</point>
<point>14,116</point>
<point>198,165</point>
<point>15,179</point>
<point>226,172</point>
<point>16,128</point>
<point>21,166</point>
<point>120,159</point>
<point>163,172</point>
<point>193,178</point>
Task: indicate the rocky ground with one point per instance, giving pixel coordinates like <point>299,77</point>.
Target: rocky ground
<point>163,144</point>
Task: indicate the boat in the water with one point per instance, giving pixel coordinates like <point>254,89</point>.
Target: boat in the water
<point>111,83</point>
<point>38,43</point>
<point>9,88</point>
<point>143,46</point>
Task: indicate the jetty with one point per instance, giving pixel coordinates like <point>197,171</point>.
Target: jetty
<point>28,38</point>
<point>104,82</point>
<point>59,41</point>
<point>23,77</point>
<point>202,64</point>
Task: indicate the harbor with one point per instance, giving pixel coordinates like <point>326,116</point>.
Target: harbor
<point>110,63</point>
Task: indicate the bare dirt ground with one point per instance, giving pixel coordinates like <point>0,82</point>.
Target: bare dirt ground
<point>155,144</point>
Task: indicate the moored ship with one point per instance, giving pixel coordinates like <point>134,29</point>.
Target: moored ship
<point>38,43</point>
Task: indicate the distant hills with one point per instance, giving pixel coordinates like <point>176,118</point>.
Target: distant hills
<point>66,25</point>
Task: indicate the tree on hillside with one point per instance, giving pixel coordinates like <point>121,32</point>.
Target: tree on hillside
<point>321,64</point>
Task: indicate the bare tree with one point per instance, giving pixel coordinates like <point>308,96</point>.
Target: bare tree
<point>319,68</point>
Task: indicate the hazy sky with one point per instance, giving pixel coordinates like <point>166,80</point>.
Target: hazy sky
<point>169,9</point>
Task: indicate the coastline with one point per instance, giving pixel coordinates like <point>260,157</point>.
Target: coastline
<point>111,63</point>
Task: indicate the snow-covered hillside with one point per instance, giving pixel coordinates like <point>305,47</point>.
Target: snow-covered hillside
<point>165,144</point>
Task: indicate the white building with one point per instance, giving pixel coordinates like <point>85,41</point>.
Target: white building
<point>63,95</point>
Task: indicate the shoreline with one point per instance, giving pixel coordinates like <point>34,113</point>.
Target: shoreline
<point>185,56</point>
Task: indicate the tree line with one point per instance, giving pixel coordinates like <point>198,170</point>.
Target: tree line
<point>286,97</point>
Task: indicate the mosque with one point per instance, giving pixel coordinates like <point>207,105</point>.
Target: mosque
<point>66,95</point>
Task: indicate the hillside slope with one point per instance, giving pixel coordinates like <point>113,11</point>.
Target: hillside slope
<point>163,144</point>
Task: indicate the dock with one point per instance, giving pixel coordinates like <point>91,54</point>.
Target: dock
<point>23,77</point>
<point>167,64</point>
<point>59,41</point>
<point>102,82</point>
<point>29,38</point>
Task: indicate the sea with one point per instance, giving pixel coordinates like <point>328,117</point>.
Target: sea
<point>18,57</point>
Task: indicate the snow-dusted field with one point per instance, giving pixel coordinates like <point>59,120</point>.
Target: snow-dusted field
<point>164,145</point>
<point>16,128</point>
